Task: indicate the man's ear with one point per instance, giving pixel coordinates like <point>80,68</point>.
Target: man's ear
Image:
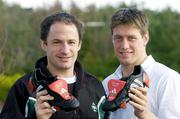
<point>80,43</point>
<point>146,38</point>
<point>43,45</point>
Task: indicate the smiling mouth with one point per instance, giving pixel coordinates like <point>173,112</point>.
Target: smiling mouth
<point>64,58</point>
<point>125,53</point>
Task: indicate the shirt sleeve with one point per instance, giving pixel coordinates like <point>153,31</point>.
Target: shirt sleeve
<point>169,98</point>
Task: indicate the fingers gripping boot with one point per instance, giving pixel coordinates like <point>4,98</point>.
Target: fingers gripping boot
<point>118,89</point>
<point>57,88</point>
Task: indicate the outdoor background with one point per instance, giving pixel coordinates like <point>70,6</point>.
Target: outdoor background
<point>19,39</point>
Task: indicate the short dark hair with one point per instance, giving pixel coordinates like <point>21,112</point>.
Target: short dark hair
<point>60,17</point>
<point>130,16</point>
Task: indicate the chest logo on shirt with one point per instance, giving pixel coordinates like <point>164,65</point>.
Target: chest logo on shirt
<point>94,107</point>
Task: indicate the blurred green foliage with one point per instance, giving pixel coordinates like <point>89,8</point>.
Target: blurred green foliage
<point>5,83</point>
<point>20,44</point>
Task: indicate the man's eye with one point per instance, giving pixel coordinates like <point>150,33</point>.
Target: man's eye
<point>72,42</point>
<point>56,42</point>
<point>131,38</point>
<point>117,39</point>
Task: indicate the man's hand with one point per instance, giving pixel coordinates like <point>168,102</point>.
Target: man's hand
<point>42,107</point>
<point>138,99</point>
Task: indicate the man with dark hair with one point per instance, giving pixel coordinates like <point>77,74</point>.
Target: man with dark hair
<point>130,36</point>
<point>58,88</point>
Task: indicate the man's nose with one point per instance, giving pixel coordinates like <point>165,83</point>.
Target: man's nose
<point>65,48</point>
<point>125,44</point>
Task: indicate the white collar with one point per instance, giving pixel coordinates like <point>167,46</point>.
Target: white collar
<point>118,72</point>
<point>69,80</point>
<point>148,62</point>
